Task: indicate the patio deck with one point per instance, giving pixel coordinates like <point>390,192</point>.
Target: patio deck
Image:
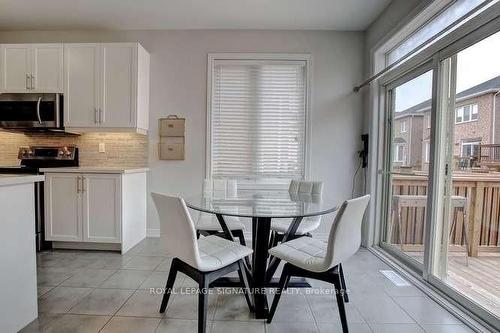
<point>479,281</point>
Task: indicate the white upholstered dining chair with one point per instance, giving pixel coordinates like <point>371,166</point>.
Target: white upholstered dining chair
<point>203,260</point>
<point>308,224</point>
<point>312,258</point>
<point>207,224</point>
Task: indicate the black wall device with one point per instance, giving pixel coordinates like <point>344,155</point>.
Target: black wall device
<point>364,153</point>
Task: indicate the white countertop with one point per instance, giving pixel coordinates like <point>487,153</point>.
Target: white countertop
<point>95,170</point>
<point>15,179</point>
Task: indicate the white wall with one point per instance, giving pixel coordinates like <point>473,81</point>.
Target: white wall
<point>178,86</point>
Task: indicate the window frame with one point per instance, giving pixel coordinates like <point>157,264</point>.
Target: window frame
<point>461,109</point>
<point>469,143</point>
<point>403,127</point>
<point>427,152</point>
<point>212,58</point>
<point>396,159</point>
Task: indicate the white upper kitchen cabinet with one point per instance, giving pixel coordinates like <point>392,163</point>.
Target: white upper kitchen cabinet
<point>120,74</point>
<point>81,85</point>
<point>31,68</point>
<point>47,68</point>
<point>15,68</point>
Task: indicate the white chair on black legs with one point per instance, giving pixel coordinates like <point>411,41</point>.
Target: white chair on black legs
<point>204,260</point>
<point>315,259</point>
<point>308,224</point>
<point>207,224</point>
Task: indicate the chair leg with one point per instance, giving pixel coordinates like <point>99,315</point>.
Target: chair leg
<point>281,287</point>
<point>244,284</point>
<point>202,305</point>
<point>340,302</point>
<point>240,235</point>
<point>170,284</point>
<point>344,286</point>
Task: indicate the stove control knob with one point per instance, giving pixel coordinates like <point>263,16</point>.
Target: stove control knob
<point>68,153</point>
<point>30,152</point>
<point>24,152</point>
<point>60,152</point>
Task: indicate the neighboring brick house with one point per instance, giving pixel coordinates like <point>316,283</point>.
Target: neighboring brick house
<point>477,121</point>
<point>408,140</point>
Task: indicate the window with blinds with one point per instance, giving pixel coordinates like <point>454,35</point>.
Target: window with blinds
<point>258,119</point>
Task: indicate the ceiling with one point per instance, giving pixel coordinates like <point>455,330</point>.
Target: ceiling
<point>189,14</point>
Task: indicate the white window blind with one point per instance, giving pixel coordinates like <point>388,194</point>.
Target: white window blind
<point>258,114</point>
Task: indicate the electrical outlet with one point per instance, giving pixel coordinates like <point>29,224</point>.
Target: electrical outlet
<point>102,147</point>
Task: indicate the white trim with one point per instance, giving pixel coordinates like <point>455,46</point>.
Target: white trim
<point>151,232</point>
<point>307,58</point>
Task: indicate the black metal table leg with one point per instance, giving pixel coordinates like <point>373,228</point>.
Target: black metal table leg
<point>224,227</point>
<point>259,266</point>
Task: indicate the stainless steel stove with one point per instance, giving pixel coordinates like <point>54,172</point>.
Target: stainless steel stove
<point>34,158</point>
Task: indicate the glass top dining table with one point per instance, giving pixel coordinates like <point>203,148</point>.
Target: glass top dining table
<point>261,207</point>
<point>262,204</point>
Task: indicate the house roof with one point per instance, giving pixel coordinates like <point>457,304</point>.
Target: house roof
<point>490,86</point>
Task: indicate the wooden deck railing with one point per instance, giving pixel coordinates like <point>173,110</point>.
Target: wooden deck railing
<point>489,155</point>
<point>483,220</point>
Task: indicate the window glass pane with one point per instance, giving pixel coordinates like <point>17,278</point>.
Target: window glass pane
<point>409,167</point>
<point>445,19</point>
<point>474,112</point>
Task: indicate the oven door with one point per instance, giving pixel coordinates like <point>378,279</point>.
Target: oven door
<point>30,111</point>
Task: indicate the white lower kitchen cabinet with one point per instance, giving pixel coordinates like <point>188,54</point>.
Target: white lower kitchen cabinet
<point>89,210</point>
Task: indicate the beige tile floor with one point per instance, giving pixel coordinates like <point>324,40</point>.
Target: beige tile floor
<point>86,291</point>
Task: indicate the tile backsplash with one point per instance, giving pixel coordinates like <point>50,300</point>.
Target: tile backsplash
<point>122,149</point>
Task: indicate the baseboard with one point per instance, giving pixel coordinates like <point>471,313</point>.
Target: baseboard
<point>87,246</point>
<point>152,232</point>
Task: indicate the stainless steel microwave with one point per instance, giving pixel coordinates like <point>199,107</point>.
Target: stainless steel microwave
<point>31,112</point>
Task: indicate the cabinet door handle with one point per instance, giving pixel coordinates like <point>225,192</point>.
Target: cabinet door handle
<point>28,81</point>
<point>78,188</point>
<point>96,115</point>
<point>83,184</point>
<point>32,80</point>
<point>101,117</point>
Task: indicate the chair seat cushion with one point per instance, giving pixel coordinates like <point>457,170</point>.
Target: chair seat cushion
<point>217,252</point>
<point>308,224</point>
<point>209,222</point>
<point>304,252</point>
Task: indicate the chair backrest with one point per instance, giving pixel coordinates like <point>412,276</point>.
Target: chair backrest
<point>305,187</point>
<point>220,187</point>
<point>345,235</point>
<point>177,232</point>
<point>294,187</point>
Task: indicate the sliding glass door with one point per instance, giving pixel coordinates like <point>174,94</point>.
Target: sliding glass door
<point>467,239</point>
<point>441,173</point>
<point>407,164</point>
